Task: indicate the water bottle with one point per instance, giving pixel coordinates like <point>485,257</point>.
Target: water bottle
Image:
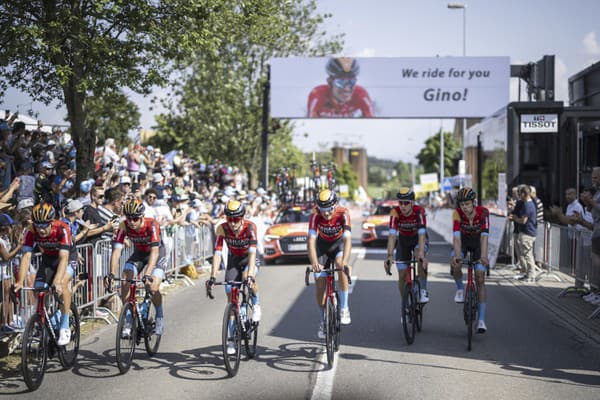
<point>243,312</point>
<point>144,309</point>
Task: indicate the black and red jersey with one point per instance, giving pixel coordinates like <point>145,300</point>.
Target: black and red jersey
<point>239,243</point>
<point>480,223</point>
<point>58,239</point>
<point>408,225</point>
<point>329,229</point>
<point>322,105</point>
<point>144,238</point>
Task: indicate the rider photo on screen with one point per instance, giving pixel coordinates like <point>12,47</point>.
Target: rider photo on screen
<point>341,96</point>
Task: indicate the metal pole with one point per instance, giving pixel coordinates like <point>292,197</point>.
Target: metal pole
<point>264,173</point>
<point>441,157</point>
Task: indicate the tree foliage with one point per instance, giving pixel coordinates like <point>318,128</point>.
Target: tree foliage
<point>112,115</point>
<point>429,156</point>
<point>346,176</point>
<point>66,50</point>
<point>216,105</point>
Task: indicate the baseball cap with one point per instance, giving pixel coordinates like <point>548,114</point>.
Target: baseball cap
<point>196,203</point>
<point>6,220</point>
<point>86,186</point>
<point>125,179</point>
<point>24,203</point>
<point>157,177</point>
<point>47,164</point>
<point>51,143</point>
<point>73,206</point>
<point>260,191</point>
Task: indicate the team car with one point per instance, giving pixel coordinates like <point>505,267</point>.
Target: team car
<point>288,236</point>
<point>375,228</point>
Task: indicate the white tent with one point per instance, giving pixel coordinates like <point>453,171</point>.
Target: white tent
<point>31,124</point>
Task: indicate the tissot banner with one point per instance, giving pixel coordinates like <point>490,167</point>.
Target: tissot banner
<point>435,87</point>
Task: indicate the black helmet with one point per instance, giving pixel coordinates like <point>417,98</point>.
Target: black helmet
<point>465,194</point>
<point>43,212</point>
<point>234,208</point>
<point>342,67</point>
<point>326,198</point>
<point>406,193</point>
<point>134,207</point>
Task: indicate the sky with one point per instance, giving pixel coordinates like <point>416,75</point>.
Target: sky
<point>524,30</point>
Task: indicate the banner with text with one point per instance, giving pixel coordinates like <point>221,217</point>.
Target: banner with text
<point>434,87</point>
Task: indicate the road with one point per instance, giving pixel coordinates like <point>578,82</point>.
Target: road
<point>527,353</point>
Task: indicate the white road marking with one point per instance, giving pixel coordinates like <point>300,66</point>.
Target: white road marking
<point>324,384</point>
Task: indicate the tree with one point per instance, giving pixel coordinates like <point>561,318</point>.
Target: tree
<point>67,49</point>
<point>112,115</point>
<point>346,176</point>
<point>429,156</point>
<point>216,106</point>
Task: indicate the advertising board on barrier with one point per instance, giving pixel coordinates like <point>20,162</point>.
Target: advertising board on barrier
<point>403,87</point>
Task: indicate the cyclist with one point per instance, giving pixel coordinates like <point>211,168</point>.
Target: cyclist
<point>53,238</point>
<point>471,229</point>
<point>329,235</point>
<point>341,96</point>
<point>409,225</point>
<point>149,250</point>
<point>240,236</point>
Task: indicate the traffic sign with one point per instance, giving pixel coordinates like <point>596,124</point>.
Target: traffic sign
<point>446,185</point>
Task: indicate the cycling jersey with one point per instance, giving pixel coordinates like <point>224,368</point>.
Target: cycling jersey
<point>479,225</point>
<point>329,229</point>
<point>58,239</point>
<point>322,104</point>
<point>239,244</point>
<point>407,225</point>
<point>143,239</point>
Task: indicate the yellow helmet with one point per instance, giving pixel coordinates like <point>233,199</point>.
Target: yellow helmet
<point>43,212</point>
<point>134,207</point>
<point>326,198</point>
<point>234,208</point>
<point>405,193</point>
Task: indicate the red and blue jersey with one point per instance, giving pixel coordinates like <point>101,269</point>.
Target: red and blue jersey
<point>143,239</point>
<point>329,229</point>
<point>321,104</point>
<point>471,227</point>
<point>58,239</point>
<point>240,243</point>
<point>408,225</point>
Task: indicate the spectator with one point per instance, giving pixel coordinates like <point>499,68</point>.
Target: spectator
<point>85,189</point>
<point>570,218</point>
<point>526,219</point>
<point>26,182</point>
<point>43,185</point>
<point>133,161</point>
<point>595,211</point>
<point>125,185</point>
<point>587,222</point>
<point>104,220</point>
<point>110,156</point>
<point>8,249</point>
<point>515,204</point>
<point>539,206</point>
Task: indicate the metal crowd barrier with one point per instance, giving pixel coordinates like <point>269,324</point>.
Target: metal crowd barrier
<point>184,245</point>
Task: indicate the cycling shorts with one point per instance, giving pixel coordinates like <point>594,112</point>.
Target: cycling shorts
<point>236,266</point>
<point>47,271</point>
<point>139,260</point>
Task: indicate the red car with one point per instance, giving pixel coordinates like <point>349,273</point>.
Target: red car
<point>288,236</point>
<point>375,228</point>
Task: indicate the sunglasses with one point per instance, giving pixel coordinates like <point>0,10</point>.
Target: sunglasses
<point>234,220</point>
<point>151,197</point>
<point>326,209</point>
<point>344,83</point>
<point>41,225</point>
<point>405,202</point>
<point>133,218</point>
<point>100,196</point>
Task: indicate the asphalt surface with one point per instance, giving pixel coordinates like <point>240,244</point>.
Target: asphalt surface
<point>534,349</point>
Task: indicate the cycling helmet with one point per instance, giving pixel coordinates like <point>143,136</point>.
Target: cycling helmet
<point>326,199</point>
<point>465,194</point>
<point>134,207</point>
<point>43,212</point>
<point>405,193</point>
<point>342,67</point>
<point>234,208</point>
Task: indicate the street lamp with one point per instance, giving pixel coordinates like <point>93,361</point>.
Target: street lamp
<point>463,7</point>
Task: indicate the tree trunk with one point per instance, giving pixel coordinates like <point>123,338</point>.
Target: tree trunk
<point>84,143</point>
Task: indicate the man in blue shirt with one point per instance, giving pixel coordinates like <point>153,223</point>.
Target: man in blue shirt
<point>527,227</point>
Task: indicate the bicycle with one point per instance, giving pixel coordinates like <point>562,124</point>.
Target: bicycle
<point>412,308</point>
<point>239,309</point>
<point>41,334</point>
<point>471,298</point>
<point>332,308</point>
<point>140,319</point>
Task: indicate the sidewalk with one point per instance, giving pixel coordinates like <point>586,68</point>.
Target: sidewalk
<point>570,309</point>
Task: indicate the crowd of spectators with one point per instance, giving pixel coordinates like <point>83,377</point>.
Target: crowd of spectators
<point>38,166</point>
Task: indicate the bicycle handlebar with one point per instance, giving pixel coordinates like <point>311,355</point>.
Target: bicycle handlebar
<point>209,288</point>
<point>329,271</point>
<point>389,264</point>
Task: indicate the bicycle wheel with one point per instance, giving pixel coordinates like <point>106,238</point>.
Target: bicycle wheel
<point>418,305</point>
<point>251,336</point>
<point>34,352</point>
<point>126,341</point>
<point>68,354</point>
<point>232,361</point>
<point>330,318</point>
<point>468,310</point>
<point>338,324</point>
<point>151,339</point>
<point>408,314</point>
